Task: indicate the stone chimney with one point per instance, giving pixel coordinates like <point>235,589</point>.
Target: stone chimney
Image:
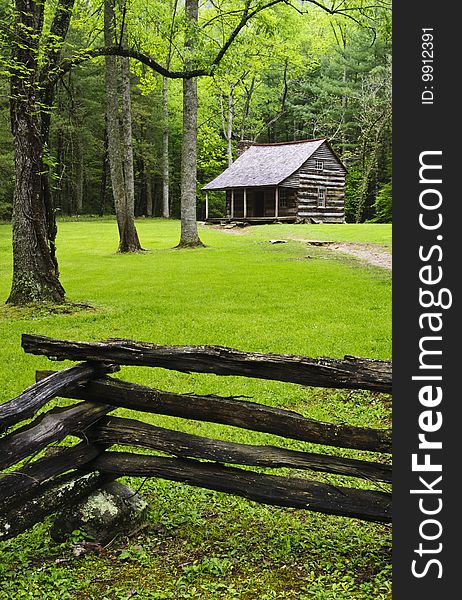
<point>242,146</point>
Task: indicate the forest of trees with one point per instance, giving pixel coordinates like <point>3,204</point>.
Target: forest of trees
<point>109,89</point>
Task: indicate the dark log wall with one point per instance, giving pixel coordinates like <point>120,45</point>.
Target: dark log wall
<point>291,200</point>
<point>308,179</point>
<point>260,202</point>
<point>269,202</point>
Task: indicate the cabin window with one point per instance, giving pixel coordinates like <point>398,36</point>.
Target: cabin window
<point>321,197</point>
<point>283,198</point>
<point>319,165</point>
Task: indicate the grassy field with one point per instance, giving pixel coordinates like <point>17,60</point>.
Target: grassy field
<point>243,292</point>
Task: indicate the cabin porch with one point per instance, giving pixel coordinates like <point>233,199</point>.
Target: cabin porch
<point>254,220</point>
<point>258,204</point>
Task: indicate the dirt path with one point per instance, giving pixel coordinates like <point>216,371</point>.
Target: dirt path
<point>372,254</point>
<point>378,256</point>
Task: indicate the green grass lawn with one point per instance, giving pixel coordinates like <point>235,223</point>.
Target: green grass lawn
<point>243,292</point>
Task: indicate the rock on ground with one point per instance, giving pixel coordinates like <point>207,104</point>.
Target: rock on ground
<point>112,510</point>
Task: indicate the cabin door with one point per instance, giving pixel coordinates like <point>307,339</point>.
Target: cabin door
<point>259,204</point>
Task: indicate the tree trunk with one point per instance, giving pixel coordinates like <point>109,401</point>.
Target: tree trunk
<point>78,176</point>
<point>165,146</point>
<point>344,109</point>
<point>149,203</point>
<point>189,235</point>
<point>58,195</point>
<point>370,157</point>
<point>52,51</point>
<point>368,166</point>
<point>114,149</point>
<point>248,98</point>
<point>229,136</point>
<point>131,241</point>
<point>35,274</point>
<point>227,124</point>
<point>124,208</point>
<point>104,174</point>
<point>344,90</point>
<point>50,215</point>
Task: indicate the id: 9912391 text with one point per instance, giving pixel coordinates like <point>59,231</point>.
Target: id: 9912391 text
<point>427,77</point>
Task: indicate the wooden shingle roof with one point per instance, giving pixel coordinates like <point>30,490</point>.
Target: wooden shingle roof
<point>265,165</point>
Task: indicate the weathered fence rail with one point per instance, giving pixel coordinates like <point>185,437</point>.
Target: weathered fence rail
<point>32,399</point>
<point>62,475</point>
<point>115,430</point>
<point>231,411</point>
<point>352,372</point>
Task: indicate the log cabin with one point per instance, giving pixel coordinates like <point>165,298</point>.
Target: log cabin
<point>300,181</point>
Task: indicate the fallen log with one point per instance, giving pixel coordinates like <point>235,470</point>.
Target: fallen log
<point>47,428</point>
<point>230,411</point>
<point>351,372</point>
<point>116,430</point>
<point>267,489</point>
<point>31,400</point>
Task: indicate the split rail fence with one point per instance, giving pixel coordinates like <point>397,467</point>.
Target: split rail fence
<point>49,477</point>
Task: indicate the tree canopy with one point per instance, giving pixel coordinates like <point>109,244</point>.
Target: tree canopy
<point>266,71</point>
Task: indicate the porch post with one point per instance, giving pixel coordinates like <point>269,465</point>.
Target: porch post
<point>276,202</point>
<point>232,204</point>
<point>245,203</point>
<point>206,205</point>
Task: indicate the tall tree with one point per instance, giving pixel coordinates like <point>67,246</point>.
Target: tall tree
<point>189,234</point>
<point>131,241</point>
<point>119,135</point>
<point>165,168</point>
<point>35,269</point>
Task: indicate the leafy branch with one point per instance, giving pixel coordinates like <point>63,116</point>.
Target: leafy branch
<point>248,12</point>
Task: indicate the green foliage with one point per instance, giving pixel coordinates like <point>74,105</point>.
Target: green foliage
<point>352,190</point>
<point>347,98</point>
<point>218,567</point>
<point>383,204</point>
<point>77,536</point>
<point>217,204</point>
